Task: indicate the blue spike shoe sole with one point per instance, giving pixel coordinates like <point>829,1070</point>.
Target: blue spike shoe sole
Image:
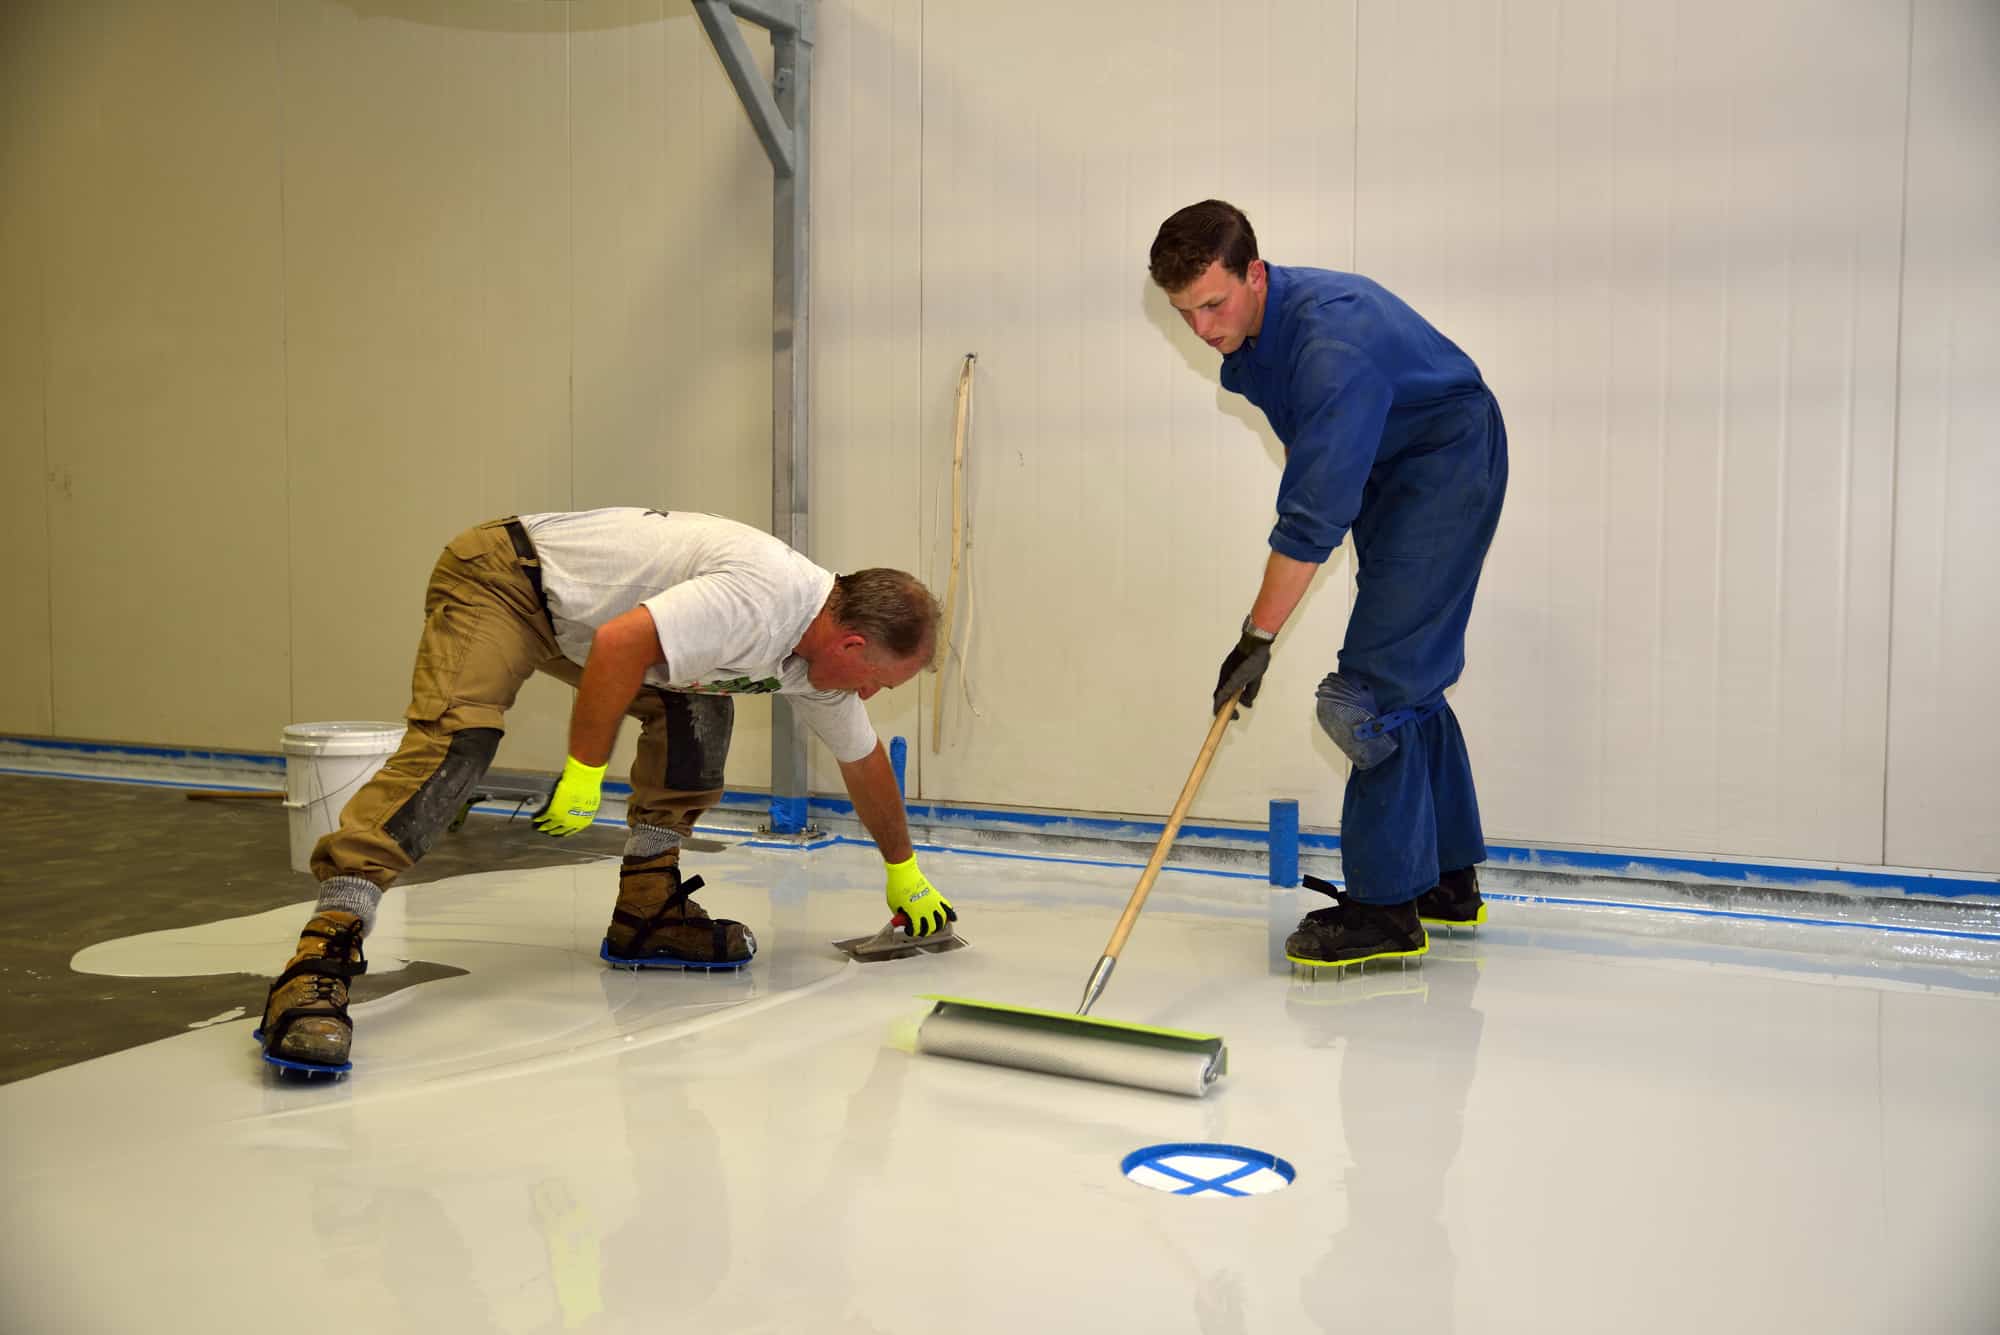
<point>670,962</point>
<point>302,1071</point>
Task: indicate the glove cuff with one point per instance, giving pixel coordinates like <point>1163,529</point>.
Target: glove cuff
<point>574,768</point>
<point>1252,631</point>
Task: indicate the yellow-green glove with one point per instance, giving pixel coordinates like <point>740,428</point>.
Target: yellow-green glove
<point>573,805</point>
<point>917,899</point>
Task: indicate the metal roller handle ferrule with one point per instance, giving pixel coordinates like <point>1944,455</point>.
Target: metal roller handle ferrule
<point>1095,988</point>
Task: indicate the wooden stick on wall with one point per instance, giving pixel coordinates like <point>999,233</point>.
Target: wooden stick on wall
<point>957,546</point>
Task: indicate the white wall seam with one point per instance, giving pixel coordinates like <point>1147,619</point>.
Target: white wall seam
<point>46,349</point>
<point>285,443</point>
<point>1896,422</point>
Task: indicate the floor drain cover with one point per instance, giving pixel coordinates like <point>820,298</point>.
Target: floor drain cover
<point>1208,1170</point>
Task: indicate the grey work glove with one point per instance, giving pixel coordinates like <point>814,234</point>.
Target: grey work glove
<point>1244,668</point>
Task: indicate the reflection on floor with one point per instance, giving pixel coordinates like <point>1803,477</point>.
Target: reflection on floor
<point>1556,1124</point>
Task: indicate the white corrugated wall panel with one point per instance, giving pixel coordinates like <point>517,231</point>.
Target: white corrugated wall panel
<point>868,382</point>
<point>669,218</point>
<point>26,480</point>
<point>424,173</point>
<point>1944,785</point>
<point>1696,290</point>
<point>1107,488</point>
<point>162,399</point>
<point>1670,238</point>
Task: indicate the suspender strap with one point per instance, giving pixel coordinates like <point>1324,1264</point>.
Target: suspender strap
<point>531,564</point>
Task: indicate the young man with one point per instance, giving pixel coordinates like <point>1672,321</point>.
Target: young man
<point>661,616</point>
<point>1391,435</point>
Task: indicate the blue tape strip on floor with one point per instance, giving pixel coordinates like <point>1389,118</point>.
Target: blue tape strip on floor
<point>258,758</point>
<point>1525,856</point>
<point>1775,874</point>
<point>1741,915</point>
<point>1062,858</point>
<point>1560,901</point>
<point>1664,866</point>
<point>142,783</point>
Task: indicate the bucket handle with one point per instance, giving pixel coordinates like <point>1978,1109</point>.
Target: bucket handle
<point>317,783</point>
<point>314,780</point>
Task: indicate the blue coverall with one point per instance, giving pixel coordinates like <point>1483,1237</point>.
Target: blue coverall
<point>1389,434</point>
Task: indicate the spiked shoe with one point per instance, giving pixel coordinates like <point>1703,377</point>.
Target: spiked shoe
<point>1454,901</point>
<point>656,921</point>
<point>305,1012</point>
<point>1352,932</point>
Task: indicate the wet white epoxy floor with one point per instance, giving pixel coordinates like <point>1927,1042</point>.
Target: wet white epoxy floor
<point>1554,1125</point>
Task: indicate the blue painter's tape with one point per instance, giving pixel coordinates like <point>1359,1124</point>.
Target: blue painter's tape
<point>788,815</point>
<point>136,783</point>
<point>1065,860</point>
<point>1058,823</point>
<point>1904,882</point>
<point>258,759</point>
<point>1918,884</point>
<point>1284,842</point>
<point>1666,867</point>
<point>1741,915</point>
<point>899,760</point>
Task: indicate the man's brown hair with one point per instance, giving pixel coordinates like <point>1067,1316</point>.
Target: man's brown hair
<point>1195,238</point>
<point>890,608</point>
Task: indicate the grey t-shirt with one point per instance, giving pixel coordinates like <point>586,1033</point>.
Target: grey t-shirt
<point>729,602</point>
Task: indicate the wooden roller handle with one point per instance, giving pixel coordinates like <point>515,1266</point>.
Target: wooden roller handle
<point>1153,864</point>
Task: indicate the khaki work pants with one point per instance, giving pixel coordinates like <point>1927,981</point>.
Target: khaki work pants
<point>485,631</point>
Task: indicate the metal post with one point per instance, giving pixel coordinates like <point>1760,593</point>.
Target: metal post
<point>782,116</point>
<point>791,387</point>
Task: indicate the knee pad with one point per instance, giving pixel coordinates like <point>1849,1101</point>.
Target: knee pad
<point>698,732</point>
<point>1347,715</point>
<point>426,813</point>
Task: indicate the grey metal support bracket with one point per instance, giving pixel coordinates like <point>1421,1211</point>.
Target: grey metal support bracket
<point>787,21</point>
<point>781,113</point>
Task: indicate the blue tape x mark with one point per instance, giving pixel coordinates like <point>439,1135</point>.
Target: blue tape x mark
<point>1197,1185</point>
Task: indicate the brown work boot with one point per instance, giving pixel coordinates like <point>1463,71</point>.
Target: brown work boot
<point>657,923</point>
<point>305,1012</point>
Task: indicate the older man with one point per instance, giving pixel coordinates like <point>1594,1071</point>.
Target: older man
<point>662,616</point>
<point>1390,434</point>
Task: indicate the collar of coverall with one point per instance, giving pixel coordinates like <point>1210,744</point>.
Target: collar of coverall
<point>1263,350</point>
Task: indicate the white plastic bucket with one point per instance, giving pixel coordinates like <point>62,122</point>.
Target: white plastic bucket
<point>325,763</point>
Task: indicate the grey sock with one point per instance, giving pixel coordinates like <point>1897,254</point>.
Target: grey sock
<point>647,841</point>
<point>351,894</point>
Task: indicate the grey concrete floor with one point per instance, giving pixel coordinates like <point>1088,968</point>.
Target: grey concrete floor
<point>84,862</point>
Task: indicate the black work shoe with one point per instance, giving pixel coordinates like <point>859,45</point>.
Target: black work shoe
<point>1454,901</point>
<point>1352,932</point>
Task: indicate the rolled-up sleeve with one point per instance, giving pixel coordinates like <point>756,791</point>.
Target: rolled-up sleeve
<point>1342,403</point>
